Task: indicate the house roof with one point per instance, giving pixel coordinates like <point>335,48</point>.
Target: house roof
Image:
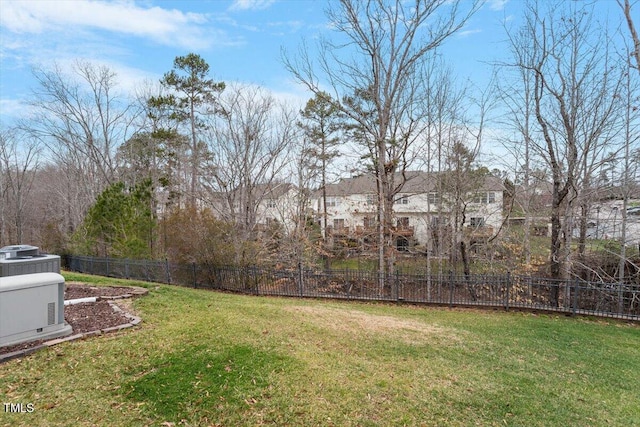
<point>617,192</point>
<point>545,188</point>
<point>273,190</point>
<point>417,182</point>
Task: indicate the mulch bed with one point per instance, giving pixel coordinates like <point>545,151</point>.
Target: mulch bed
<point>93,316</point>
<point>78,290</point>
<point>87,316</point>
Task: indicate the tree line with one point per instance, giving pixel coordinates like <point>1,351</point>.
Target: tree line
<point>179,168</point>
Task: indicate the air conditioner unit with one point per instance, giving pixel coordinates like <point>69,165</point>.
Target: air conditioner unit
<point>26,259</point>
<point>32,308</point>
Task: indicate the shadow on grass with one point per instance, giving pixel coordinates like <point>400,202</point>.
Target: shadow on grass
<point>202,379</point>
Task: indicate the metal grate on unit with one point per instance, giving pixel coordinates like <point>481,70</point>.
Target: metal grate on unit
<point>51,313</point>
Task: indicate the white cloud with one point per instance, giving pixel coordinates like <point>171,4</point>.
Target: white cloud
<point>467,33</point>
<point>293,97</point>
<point>164,26</point>
<point>128,79</point>
<point>251,4</point>
<point>291,26</point>
<point>13,109</point>
<point>497,4</point>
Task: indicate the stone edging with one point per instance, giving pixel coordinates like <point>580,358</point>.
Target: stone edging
<point>136,292</point>
<point>133,321</point>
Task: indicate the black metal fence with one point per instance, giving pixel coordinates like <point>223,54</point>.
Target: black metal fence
<point>496,291</point>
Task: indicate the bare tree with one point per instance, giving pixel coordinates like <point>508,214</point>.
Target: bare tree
<point>626,8</point>
<point>374,63</point>
<point>516,93</point>
<point>451,152</point>
<point>45,216</point>
<point>3,191</point>
<point>249,144</point>
<point>630,96</point>
<point>303,237</point>
<point>19,157</point>
<point>575,99</point>
<point>80,117</point>
<point>82,120</point>
<point>445,117</point>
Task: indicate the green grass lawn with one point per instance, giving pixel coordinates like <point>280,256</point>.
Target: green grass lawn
<point>203,358</point>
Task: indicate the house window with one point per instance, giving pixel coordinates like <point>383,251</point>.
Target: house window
<point>437,221</point>
<point>270,222</point>
<point>333,202</point>
<point>476,222</point>
<point>368,222</point>
<point>404,200</point>
<point>403,222</point>
<point>371,199</point>
<point>433,198</point>
<point>271,203</point>
<point>402,244</point>
<point>338,223</point>
<point>484,198</point>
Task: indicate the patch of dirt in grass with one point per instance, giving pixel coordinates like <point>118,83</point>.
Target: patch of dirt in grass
<point>357,322</point>
<point>74,290</point>
<point>93,316</point>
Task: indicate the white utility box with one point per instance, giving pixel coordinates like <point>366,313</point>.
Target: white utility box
<point>32,308</point>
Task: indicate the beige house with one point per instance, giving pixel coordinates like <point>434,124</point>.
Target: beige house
<point>279,203</point>
<point>420,210</point>
<point>259,207</point>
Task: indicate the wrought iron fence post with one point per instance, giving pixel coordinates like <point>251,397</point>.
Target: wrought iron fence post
<point>254,274</point>
<point>193,270</point>
<point>576,284</point>
<point>396,286</point>
<point>450,289</point>
<point>300,279</point>
<point>506,300</point>
<point>620,298</point>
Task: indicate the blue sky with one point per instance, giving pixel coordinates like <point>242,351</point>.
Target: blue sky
<point>240,39</point>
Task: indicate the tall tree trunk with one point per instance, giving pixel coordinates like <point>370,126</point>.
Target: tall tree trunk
<point>325,214</point>
<point>582,237</point>
<point>382,224</point>
<point>527,190</point>
<point>194,158</point>
<point>632,29</point>
<point>555,259</point>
